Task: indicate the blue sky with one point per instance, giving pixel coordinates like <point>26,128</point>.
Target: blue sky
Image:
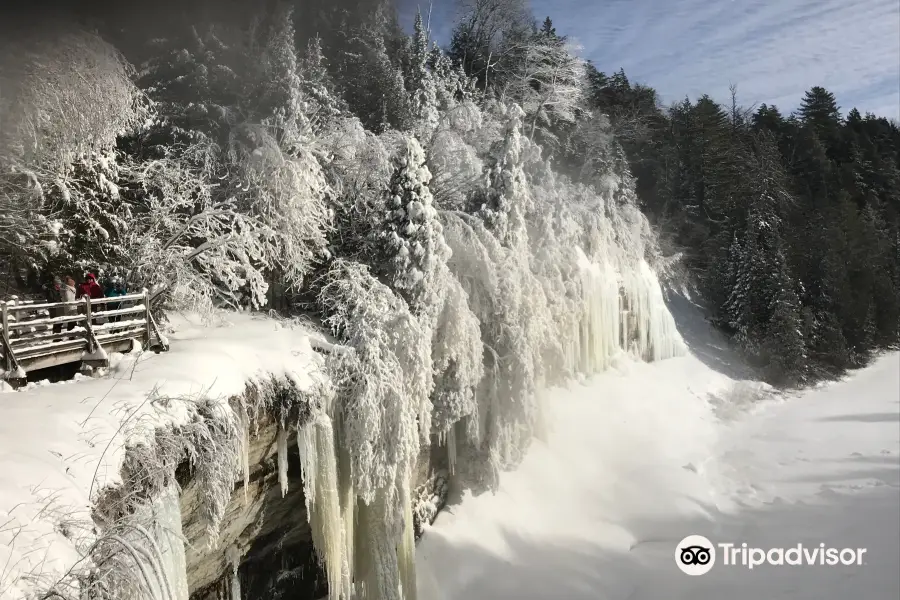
<point>773,50</point>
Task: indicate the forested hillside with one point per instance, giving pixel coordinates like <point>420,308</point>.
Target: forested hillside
<point>788,224</point>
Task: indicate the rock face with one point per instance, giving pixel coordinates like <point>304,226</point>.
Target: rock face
<point>271,533</point>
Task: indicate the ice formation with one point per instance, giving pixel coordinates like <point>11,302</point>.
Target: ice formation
<point>233,558</point>
<point>654,332</point>
<point>245,451</point>
<point>599,329</point>
<point>166,542</point>
<point>318,460</point>
<point>281,449</point>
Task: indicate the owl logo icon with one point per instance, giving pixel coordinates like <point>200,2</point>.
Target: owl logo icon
<point>695,555</point>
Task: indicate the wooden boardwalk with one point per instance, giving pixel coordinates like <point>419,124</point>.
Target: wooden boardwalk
<point>38,336</point>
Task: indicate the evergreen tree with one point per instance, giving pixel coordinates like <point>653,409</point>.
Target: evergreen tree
<point>763,307</point>
<point>420,83</point>
<point>372,83</point>
<point>503,203</point>
<point>820,111</point>
<point>412,254</point>
<point>323,106</point>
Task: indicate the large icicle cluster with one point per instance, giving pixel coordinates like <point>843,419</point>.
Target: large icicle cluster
<point>470,309</point>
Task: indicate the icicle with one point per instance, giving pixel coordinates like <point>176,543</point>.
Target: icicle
<point>376,553</point>
<point>406,551</point>
<point>348,520</point>
<point>308,449</point>
<point>233,558</point>
<point>281,448</point>
<point>451,449</point>
<point>363,567</point>
<point>318,461</point>
<point>245,452</point>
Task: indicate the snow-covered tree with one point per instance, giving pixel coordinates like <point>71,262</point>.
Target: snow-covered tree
<point>420,83</point>
<point>322,104</point>
<point>412,253</point>
<point>458,360</point>
<point>185,241</point>
<point>66,92</point>
<point>285,185</point>
<point>373,85</point>
<point>481,40</point>
<point>89,216</point>
<point>66,97</point>
<point>509,303</point>
<point>763,307</point>
<point>547,80</point>
<point>383,383</point>
<point>506,198</point>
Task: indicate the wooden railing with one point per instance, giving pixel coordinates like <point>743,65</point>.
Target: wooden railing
<point>38,336</point>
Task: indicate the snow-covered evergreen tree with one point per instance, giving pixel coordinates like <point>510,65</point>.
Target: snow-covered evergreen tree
<point>372,83</point>
<point>763,306</point>
<point>420,83</point>
<point>506,197</point>
<point>322,104</point>
<point>412,253</point>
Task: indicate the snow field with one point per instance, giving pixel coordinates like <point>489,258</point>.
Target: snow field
<point>637,460</point>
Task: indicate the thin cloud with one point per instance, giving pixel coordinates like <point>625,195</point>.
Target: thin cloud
<point>774,50</point>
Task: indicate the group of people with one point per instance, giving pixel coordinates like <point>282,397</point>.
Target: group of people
<point>66,290</point>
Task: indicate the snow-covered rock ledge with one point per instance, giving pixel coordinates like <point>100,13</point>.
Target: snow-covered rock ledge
<point>78,457</point>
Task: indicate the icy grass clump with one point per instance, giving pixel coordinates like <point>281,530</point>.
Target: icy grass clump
<point>211,444</point>
<point>141,555</point>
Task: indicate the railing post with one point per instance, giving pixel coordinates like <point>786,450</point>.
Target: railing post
<point>147,326</point>
<point>88,325</point>
<point>4,321</point>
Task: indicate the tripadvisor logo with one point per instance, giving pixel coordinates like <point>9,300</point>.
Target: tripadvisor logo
<point>696,555</point>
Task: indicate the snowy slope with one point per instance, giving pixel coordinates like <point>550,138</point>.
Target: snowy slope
<point>646,454</point>
<point>60,443</point>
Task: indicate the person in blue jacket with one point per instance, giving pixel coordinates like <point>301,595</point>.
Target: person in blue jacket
<point>115,289</point>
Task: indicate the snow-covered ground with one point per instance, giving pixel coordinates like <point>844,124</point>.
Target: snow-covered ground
<point>647,454</point>
<point>61,443</point>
